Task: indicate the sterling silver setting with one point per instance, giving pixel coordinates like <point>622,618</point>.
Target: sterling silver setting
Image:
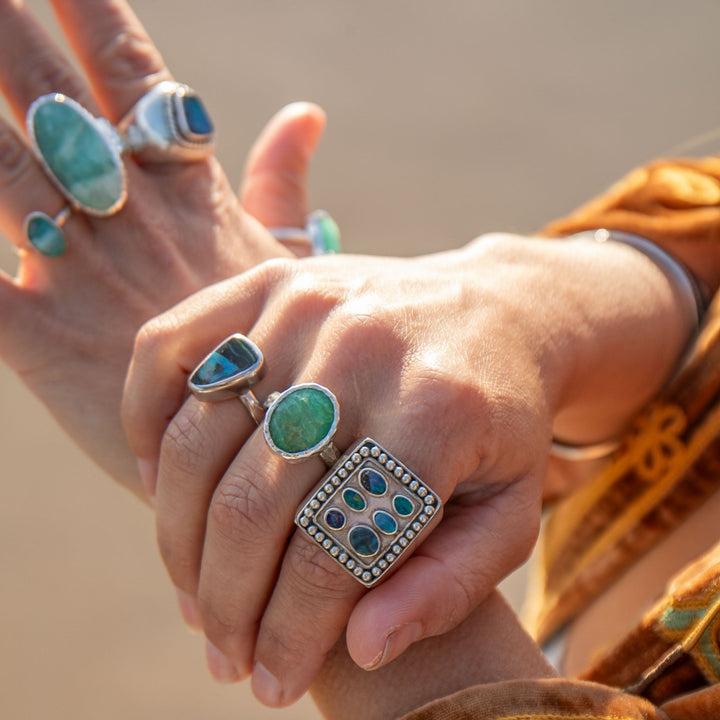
<point>390,515</point>
<point>158,128</point>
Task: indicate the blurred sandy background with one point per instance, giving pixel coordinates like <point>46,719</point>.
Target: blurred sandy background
<point>446,120</point>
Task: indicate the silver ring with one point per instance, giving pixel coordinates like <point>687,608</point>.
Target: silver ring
<point>320,236</point>
<point>301,421</point>
<point>229,371</point>
<point>169,123</point>
<point>45,233</point>
<point>80,153</point>
<point>368,511</point>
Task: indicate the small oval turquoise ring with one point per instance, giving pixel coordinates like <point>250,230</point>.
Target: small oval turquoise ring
<point>301,422</point>
<point>229,371</point>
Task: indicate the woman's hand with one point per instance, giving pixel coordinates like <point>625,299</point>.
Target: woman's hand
<point>457,363</point>
<point>67,324</point>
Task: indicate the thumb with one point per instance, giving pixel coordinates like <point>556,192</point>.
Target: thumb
<point>274,187</point>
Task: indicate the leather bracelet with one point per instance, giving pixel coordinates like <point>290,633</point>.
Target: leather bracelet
<point>694,296</point>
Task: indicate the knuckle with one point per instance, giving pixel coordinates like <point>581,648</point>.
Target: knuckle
<point>130,55</point>
<point>315,573</point>
<point>241,508</point>
<point>183,446</point>
<point>47,73</point>
<point>15,159</point>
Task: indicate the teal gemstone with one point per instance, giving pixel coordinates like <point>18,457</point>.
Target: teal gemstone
<point>373,481</point>
<point>324,233</point>
<point>234,358</point>
<point>45,235</point>
<point>197,117</point>
<point>364,540</point>
<point>302,419</point>
<point>335,519</point>
<point>78,154</point>
<point>403,506</point>
<point>385,522</point>
<point>354,500</point>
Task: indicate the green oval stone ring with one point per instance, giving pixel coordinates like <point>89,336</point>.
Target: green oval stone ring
<point>301,422</point>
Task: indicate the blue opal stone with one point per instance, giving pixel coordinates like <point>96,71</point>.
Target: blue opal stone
<point>234,357</point>
<point>335,518</point>
<point>364,540</point>
<point>197,117</point>
<point>402,505</point>
<point>78,155</point>
<point>354,500</point>
<point>373,481</point>
<point>45,235</point>
<point>385,522</point>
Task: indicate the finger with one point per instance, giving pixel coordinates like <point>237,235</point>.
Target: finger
<point>117,54</point>
<point>24,187</point>
<point>457,566</point>
<point>169,347</point>
<point>274,187</point>
<point>31,64</point>
<point>18,323</point>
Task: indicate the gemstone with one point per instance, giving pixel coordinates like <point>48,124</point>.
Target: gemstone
<point>354,500</point>
<point>373,481</point>
<point>324,233</point>
<point>197,117</point>
<point>402,505</point>
<point>78,153</point>
<point>45,234</point>
<point>237,357</point>
<point>335,518</point>
<point>385,522</point>
<point>301,420</point>
<point>364,540</point>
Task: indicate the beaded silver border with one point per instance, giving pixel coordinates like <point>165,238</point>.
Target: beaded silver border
<point>327,493</point>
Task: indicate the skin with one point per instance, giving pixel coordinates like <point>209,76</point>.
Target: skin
<point>182,222</point>
<point>440,360</point>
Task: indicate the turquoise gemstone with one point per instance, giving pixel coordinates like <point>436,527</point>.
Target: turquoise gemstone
<point>324,233</point>
<point>233,358</point>
<point>335,519</point>
<point>364,540</point>
<point>197,117</point>
<point>301,419</point>
<point>373,481</point>
<point>354,500</point>
<point>45,235</point>
<point>385,522</point>
<point>78,155</point>
<point>402,505</point>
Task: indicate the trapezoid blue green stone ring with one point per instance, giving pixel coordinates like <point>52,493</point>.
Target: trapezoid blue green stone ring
<point>229,371</point>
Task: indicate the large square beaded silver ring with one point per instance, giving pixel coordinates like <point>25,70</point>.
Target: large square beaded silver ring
<point>367,511</point>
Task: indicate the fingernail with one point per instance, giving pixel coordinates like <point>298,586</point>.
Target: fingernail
<point>266,686</point>
<point>148,475</point>
<point>220,666</point>
<point>396,643</point>
<point>190,610</point>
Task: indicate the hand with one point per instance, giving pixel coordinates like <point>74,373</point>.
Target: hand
<point>452,364</point>
<point>68,323</point>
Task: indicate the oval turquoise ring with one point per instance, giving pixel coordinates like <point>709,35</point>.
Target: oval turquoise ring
<point>301,422</point>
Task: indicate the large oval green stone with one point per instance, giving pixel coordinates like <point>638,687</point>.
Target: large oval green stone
<point>81,158</point>
<point>302,418</point>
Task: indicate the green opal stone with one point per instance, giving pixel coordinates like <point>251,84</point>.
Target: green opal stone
<point>78,155</point>
<point>354,500</point>
<point>301,419</point>
<point>45,235</point>
<point>324,233</point>
<point>402,505</point>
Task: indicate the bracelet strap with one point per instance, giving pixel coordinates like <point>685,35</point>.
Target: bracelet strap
<point>694,297</point>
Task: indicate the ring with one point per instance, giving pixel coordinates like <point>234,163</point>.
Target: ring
<point>368,511</point>
<point>45,233</point>
<point>80,153</point>
<point>230,370</point>
<point>301,421</point>
<point>169,123</point>
<point>320,236</point>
